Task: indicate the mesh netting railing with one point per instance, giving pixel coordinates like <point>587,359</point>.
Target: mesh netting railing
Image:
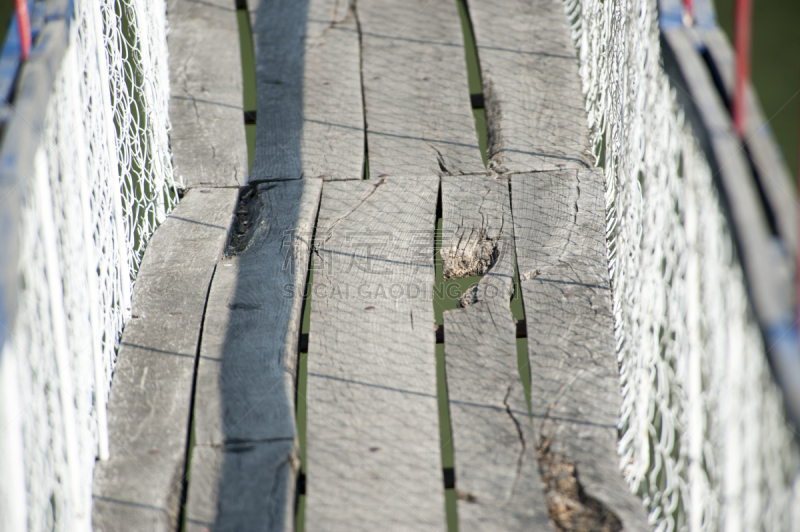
<point>86,172</point>
<point>703,434</point>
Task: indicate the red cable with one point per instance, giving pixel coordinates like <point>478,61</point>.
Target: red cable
<point>688,12</point>
<point>24,23</point>
<point>744,11</point>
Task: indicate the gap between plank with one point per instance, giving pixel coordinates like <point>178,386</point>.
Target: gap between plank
<point>247,51</point>
<point>301,388</point>
<point>190,441</point>
<point>441,303</point>
<point>474,80</point>
<point>247,54</point>
<point>365,173</point>
<point>518,313</point>
<point>442,292</point>
<point>437,329</point>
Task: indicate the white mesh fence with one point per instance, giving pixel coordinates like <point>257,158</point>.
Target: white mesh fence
<point>100,182</point>
<point>704,440</point>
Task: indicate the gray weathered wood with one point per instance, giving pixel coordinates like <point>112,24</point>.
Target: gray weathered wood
<point>310,110</point>
<point>139,487</point>
<point>497,472</point>
<point>244,399</point>
<point>534,105</point>
<point>771,295</point>
<point>372,437</point>
<point>773,173</point>
<point>253,7</point>
<point>243,486</point>
<point>575,395</point>
<point>419,120</point>
<point>206,110</point>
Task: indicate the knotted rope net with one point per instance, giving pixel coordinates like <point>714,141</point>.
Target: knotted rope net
<point>100,184</point>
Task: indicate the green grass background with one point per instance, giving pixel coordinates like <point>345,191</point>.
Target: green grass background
<point>775,66</point>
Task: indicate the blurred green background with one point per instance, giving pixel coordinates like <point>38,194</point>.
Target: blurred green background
<point>775,66</point>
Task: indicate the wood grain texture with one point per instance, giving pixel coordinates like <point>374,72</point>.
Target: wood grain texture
<point>498,482</point>
<point>207,138</point>
<point>419,119</point>
<point>770,295</point>
<point>535,110</point>
<point>243,486</point>
<point>310,110</point>
<point>764,151</point>
<point>244,399</point>
<point>372,440</point>
<point>253,7</point>
<point>575,395</point>
<point>139,487</point>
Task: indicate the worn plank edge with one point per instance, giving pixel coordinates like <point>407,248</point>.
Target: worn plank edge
<point>156,454</point>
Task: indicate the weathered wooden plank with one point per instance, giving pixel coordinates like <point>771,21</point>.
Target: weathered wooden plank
<point>419,119</point>
<point>575,395</point>
<point>772,171</point>
<point>253,7</point>
<point>244,399</point>
<point>139,487</point>
<point>372,440</point>
<point>207,137</point>
<point>522,332</point>
<point>497,472</point>
<point>534,105</point>
<point>310,110</point>
<point>243,486</point>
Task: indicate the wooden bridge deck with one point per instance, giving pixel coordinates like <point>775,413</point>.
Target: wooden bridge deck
<point>365,144</point>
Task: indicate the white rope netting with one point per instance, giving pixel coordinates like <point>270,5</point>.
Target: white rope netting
<point>703,435</point>
<point>101,184</point>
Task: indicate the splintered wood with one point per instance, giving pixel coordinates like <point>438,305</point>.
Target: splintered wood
<point>497,473</point>
<point>575,395</point>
